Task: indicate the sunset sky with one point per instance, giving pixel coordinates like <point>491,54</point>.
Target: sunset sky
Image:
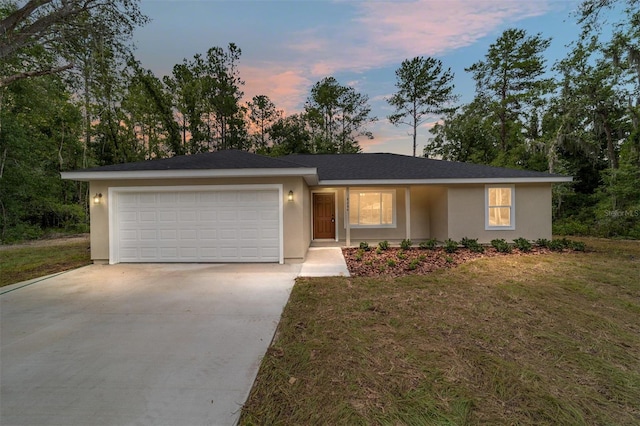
<point>287,46</point>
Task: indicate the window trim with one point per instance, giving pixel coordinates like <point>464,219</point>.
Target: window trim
<point>512,209</point>
<point>394,208</point>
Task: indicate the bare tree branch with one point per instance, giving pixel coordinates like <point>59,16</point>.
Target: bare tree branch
<point>10,79</point>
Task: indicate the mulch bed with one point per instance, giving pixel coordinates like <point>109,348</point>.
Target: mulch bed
<point>395,262</point>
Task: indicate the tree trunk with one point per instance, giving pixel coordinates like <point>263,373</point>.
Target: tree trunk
<point>611,151</point>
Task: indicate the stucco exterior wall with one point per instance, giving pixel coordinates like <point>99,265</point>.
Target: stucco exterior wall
<point>466,213</point>
<point>438,213</point>
<point>294,212</point>
<point>420,214</point>
<point>421,200</point>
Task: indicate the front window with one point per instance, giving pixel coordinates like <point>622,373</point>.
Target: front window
<point>372,208</point>
<point>500,207</point>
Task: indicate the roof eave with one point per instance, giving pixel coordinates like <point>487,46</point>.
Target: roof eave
<point>308,173</point>
<point>452,181</point>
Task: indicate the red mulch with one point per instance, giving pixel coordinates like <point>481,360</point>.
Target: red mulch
<point>373,264</point>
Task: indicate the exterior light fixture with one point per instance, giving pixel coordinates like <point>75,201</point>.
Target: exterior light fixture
<point>97,198</point>
<point>290,196</point>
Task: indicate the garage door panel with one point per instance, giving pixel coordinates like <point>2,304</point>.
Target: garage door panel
<point>147,199</point>
<point>148,235</point>
<point>199,226</point>
<point>167,216</point>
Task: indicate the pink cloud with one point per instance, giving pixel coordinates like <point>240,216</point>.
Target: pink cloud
<point>384,33</point>
<point>286,87</point>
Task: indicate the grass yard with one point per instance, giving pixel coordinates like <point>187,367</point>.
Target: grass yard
<point>26,262</point>
<point>535,339</point>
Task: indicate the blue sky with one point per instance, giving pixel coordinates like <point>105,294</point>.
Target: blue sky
<point>287,46</point>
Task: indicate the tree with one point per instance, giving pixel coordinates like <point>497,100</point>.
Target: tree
<point>149,114</point>
<point>39,137</point>
<point>424,89</point>
<point>465,135</point>
<point>222,94</point>
<point>262,114</point>
<point>511,78</point>
<point>185,85</point>
<point>337,115</point>
<point>290,136</point>
<point>58,28</point>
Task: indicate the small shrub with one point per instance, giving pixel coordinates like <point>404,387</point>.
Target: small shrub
<point>556,245</point>
<point>501,245</point>
<point>383,245</point>
<point>406,244</point>
<point>430,244</point>
<point>365,246</point>
<point>422,258</point>
<point>522,244</point>
<point>450,246</point>
<point>448,259</point>
<point>391,263</point>
<point>401,254</point>
<point>543,242</point>
<point>378,250</point>
<point>359,255</point>
<point>472,245</point>
<point>382,268</point>
<point>413,264</point>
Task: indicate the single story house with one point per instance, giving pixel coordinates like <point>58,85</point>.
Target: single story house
<point>235,206</point>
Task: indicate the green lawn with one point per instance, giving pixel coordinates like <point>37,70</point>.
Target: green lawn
<point>529,340</point>
<point>24,263</point>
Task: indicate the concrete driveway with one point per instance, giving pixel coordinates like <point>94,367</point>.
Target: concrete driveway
<point>137,344</point>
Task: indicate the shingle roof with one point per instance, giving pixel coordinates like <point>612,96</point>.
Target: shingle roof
<point>345,168</point>
<point>220,160</point>
<point>349,167</point>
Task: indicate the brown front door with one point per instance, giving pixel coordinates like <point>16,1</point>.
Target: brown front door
<point>324,220</point>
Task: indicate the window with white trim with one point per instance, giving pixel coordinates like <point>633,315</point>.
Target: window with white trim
<point>372,208</point>
<point>500,207</point>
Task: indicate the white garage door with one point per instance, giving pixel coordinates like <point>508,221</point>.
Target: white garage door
<point>197,226</point>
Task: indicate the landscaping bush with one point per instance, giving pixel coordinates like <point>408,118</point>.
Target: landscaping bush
<point>450,245</point>
<point>406,244</point>
<point>391,263</point>
<point>365,246</point>
<point>522,244</point>
<point>501,245</point>
<point>359,255</point>
<point>543,242</point>
<point>413,264</point>
<point>401,254</point>
<point>472,244</point>
<point>383,245</point>
<point>430,244</point>
<point>556,245</point>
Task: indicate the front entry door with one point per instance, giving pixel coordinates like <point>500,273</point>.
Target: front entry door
<point>324,220</point>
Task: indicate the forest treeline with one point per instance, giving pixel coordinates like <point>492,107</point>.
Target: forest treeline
<point>73,95</point>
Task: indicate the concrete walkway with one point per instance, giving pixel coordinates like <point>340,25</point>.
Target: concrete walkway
<point>324,262</point>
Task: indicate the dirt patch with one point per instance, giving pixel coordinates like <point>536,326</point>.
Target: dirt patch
<point>396,262</point>
<point>54,240</point>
